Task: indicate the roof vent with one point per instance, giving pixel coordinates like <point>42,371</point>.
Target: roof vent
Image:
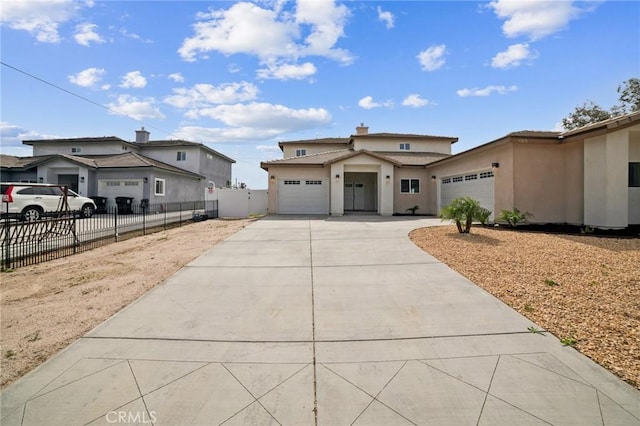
<point>362,130</point>
<point>142,136</point>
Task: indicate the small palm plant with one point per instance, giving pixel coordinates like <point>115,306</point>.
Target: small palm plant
<point>413,210</point>
<point>462,210</point>
<point>514,217</point>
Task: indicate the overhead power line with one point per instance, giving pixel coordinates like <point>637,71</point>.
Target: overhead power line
<point>80,96</point>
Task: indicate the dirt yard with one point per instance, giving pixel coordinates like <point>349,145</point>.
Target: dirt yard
<point>583,289</point>
<point>47,306</point>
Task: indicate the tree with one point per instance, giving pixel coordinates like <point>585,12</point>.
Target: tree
<point>629,96</point>
<point>590,112</point>
<point>585,114</point>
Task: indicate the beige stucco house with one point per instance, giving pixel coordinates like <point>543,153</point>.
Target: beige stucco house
<point>587,176</point>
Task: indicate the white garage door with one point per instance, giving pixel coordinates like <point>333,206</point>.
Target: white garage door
<point>112,188</point>
<point>477,185</point>
<point>303,196</point>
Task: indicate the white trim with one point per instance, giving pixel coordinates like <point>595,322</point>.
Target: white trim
<point>163,188</point>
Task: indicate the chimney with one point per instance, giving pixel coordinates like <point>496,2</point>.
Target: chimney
<point>142,136</point>
<point>362,130</point>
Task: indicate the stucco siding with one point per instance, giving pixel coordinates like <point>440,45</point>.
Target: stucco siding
<point>387,145</point>
<point>573,182</point>
<point>634,193</point>
<point>606,192</point>
<point>403,201</point>
<point>91,148</point>
<point>539,181</point>
<point>289,151</point>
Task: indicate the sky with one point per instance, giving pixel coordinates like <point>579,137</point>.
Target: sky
<point>242,76</point>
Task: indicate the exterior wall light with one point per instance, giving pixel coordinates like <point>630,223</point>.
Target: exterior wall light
<point>145,180</point>
<point>40,179</point>
<point>495,165</point>
<point>433,177</point>
<point>273,177</point>
<point>81,179</point>
<point>338,176</point>
<point>388,178</point>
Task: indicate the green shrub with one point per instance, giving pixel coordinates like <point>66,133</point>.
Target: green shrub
<point>514,217</point>
<point>483,215</point>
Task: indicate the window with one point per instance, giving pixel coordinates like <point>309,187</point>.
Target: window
<point>159,187</point>
<point>405,146</point>
<point>75,150</point>
<point>313,182</point>
<point>301,152</point>
<point>446,180</point>
<point>457,179</point>
<point>471,177</point>
<point>292,182</point>
<point>410,186</point>
<point>209,157</point>
<point>125,148</point>
<point>112,183</point>
<point>485,175</point>
<point>181,156</point>
<point>634,175</point>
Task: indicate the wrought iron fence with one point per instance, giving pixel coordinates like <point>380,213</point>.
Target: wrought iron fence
<point>59,235</point>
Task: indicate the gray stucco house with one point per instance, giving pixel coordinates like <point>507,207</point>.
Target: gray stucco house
<point>157,170</point>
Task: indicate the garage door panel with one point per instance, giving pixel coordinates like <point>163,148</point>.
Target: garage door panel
<point>112,188</point>
<point>477,185</point>
<point>303,196</point>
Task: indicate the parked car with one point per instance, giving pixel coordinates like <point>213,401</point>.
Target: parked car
<point>32,201</point>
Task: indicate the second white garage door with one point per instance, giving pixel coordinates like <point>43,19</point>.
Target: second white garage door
<point>303,196</point>
<point>477,185</point>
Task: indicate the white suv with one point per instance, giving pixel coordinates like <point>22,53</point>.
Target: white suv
<point>32,201</point>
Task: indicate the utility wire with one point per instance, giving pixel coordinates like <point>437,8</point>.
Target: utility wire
<point>80,96</point>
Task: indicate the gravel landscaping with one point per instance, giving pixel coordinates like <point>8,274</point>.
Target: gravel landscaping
<point>584,289</point>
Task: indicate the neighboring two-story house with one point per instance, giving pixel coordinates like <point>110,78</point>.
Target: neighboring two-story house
<point>157,170</point>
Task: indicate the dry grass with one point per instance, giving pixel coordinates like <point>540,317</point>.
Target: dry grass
<point>577,287</point>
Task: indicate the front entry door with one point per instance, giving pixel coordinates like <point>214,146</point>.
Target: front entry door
<point>70,180</point>
<point>353,196</point>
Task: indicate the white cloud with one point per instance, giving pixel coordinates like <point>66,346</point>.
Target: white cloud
<point>138,109</point>
<point>535,19</point>
<point>386,17</point>
<point>486,91</point>
<point>133,36</point>
<point>133,79</point>
<point>177,77</point>
<point>205,95</point>
<point>87,78</point>
<point>86,34</point>
<point>513,56</point>
<point>287,71</point>
<point>268,148</point>
<point>13,135</point>
<point>271,35</point>
<point>265,119</point>
<point>40,18</point>
<point>415,100</point>
<point>432,59</point>
<point>368,103</point>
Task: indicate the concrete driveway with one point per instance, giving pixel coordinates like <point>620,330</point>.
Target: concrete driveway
<point>329,321</point>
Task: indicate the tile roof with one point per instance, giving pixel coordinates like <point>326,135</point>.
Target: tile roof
<point>134,160</point>
<point>101,139</point>
<point>405,135</point>
<point>324,158</point>
<point>180,142</point>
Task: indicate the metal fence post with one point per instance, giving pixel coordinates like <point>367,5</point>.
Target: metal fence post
<point>115,223</point>
<point>7,242</point>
